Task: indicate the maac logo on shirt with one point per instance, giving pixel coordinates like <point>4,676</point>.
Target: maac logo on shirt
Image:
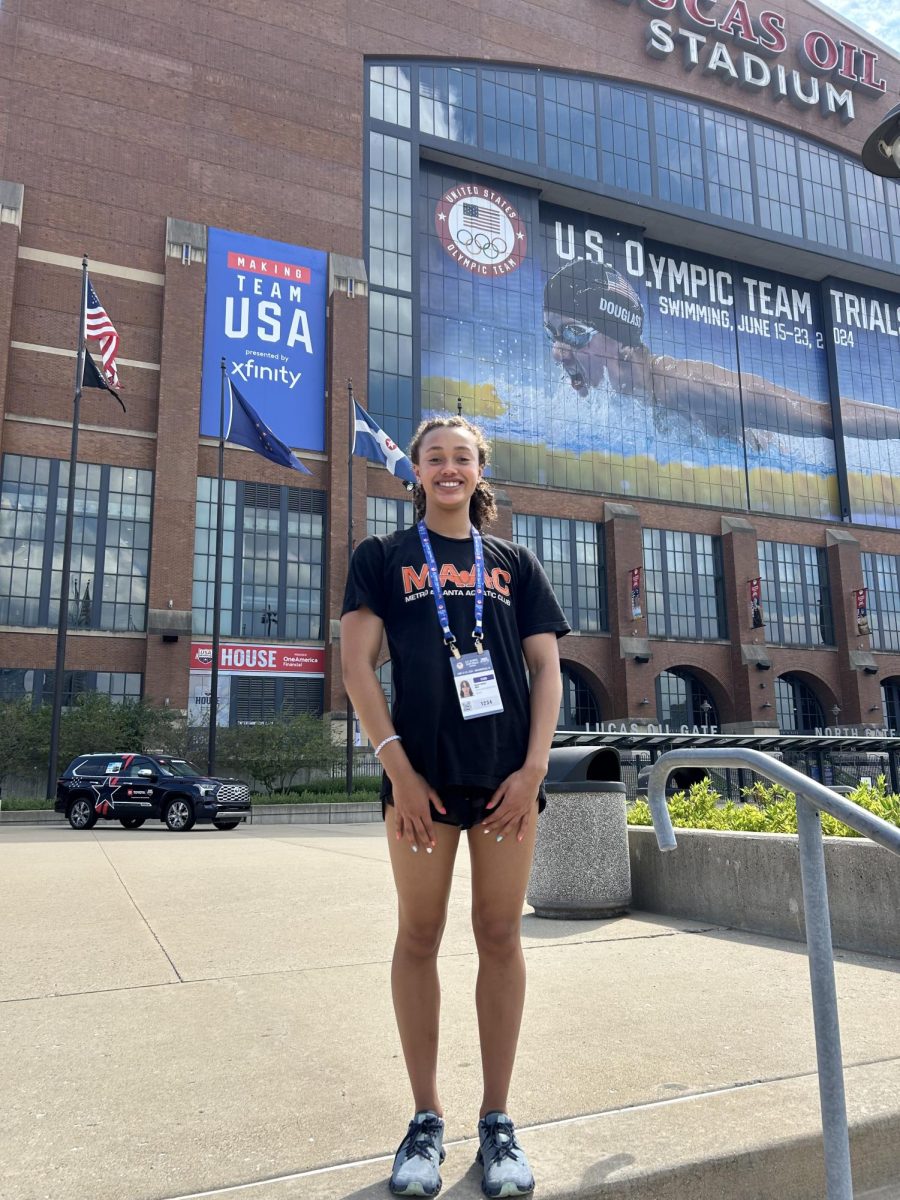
<point>416,581</point>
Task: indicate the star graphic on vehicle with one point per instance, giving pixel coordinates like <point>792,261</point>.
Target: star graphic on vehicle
<point>102,804</point>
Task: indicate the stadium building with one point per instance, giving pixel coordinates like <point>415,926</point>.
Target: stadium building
<point>632,237</point>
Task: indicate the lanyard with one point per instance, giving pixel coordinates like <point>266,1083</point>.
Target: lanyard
<point>437,591</point>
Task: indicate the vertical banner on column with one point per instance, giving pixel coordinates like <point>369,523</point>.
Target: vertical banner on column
<point>265,315</point>
<point>636,593</point>
<point>866,332</point>
<point>756,613</point>
<point>862,612</point>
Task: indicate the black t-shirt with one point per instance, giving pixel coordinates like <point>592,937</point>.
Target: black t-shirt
<point>389,575</point>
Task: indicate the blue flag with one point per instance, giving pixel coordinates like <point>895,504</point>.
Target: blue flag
<point>247,428</point>
<point>370,441</point>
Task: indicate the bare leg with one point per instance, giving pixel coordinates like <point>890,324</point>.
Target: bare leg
<point>423,889</point>
<point>499,878</point>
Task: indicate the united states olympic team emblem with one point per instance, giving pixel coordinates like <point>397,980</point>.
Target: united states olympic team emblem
<point>480,229</point>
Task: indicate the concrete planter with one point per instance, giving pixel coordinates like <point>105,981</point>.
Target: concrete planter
<point>751,881</point>
<point>580,866</point>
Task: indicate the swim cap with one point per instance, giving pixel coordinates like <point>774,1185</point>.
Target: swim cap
<point>598,295</point>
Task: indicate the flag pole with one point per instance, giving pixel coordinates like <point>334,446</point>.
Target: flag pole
<point>63,624</point>
<point>350,737</point>
<point>217,585</point>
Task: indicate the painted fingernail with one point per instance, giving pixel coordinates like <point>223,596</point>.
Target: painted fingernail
<point>415,849</point>
<point>427,849</point>
<point>499,837</point>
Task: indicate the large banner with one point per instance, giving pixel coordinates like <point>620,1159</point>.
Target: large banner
<point>265,315</point>
<point>599,360</point>
<point>867,348</point>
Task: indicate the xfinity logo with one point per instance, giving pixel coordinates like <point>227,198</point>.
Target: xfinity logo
<point>834,70</point>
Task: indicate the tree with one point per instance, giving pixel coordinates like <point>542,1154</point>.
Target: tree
<point>23,745</point>
<point>273,753</point>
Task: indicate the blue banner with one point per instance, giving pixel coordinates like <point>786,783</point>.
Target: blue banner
<point>265,315</point>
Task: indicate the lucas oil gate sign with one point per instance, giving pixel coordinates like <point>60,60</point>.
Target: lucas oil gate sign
<point>748,46</point>
<point>265,315</point>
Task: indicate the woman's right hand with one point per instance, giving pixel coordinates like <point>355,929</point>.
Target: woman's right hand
<point>413,797</point>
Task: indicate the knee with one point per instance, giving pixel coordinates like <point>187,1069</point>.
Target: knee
<point>496,936</point>
<point>420,939</point>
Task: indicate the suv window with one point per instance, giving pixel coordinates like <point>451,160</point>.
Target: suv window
<point>95,765</point>
<point>140,764</point>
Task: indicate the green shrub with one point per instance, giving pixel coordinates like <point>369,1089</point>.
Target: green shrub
<point>767,808</point>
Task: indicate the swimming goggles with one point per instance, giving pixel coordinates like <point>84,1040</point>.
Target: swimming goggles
<point>573,334</point>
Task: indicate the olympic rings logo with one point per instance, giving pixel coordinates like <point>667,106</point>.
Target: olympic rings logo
<point>488,247</point>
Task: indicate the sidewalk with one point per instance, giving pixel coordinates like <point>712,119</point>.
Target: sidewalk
<point>209,1014</point>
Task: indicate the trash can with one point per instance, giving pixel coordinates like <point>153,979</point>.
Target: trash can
<point>581,869</point>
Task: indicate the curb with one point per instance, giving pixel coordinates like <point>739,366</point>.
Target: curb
<point>341,813</point>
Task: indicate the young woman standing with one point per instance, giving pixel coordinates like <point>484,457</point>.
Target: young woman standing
<point>457,607</point>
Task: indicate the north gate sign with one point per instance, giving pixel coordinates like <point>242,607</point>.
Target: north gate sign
<point>834,70</point>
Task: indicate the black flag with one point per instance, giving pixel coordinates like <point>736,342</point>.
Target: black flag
<point>93,378</point>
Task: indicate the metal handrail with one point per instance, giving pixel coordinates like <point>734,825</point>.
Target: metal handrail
<point>812,797</point>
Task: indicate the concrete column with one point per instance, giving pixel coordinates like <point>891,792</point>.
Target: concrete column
<point>348,339</point>
<point>12,196</point>
<point>751,667</point>
<point>860,691</point>
<point>177,452</point>
<point>630,643</point>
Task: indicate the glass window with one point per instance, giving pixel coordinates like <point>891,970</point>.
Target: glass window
<point>797,706</point>
<point>509,114</point>
<point>823,201</point>
<point>272,576</point>
<point>570,126</point>
<point>796,598</point>
<point>389,94</point>
<point>683,585</point>
<point>679,157</point>
<point>390,212</point>
<point>890,703</point>
<point>868,212</point>
<point>579,708</point>
<point>573,555</point>
<point>624,139</point>
<point>385,516</point>
<point>205,556</point>
<point>728,157</point>
<point>447,103</point>
<point>778,180</point>
<point>390,365</point>
<point>120,686</point>
<point>110,544</point>
<point>892,198</point>
<point>881,576</point>
<point>681,699</point>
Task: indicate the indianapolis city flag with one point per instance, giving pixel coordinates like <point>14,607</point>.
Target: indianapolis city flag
<point>370,441</point>
<point>247,428</point>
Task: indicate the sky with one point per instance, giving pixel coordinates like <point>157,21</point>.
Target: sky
<point>881,18</point>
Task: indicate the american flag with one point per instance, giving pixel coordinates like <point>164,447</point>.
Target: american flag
<point>617,284</point>
<point>98,325</point>
<point>476,217</point>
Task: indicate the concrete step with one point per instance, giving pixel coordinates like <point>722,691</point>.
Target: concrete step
<point>755,1142</point>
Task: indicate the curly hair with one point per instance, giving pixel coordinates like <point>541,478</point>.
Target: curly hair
<point>482,506</point>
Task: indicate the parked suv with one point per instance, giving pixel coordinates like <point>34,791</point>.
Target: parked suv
<point>132,788</point>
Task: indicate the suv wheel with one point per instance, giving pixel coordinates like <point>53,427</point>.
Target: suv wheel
<point>226,824</point>
<point>81,813</point>
<point>179,815</point>
<point>131,822</point>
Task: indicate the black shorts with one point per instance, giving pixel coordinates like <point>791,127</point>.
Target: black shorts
<point>466,806</point>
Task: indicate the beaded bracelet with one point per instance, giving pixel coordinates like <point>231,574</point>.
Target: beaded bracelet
<point>394,737</point>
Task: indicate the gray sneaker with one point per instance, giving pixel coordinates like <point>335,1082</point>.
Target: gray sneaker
<point>505,1168</point>
<point>416,1170</point>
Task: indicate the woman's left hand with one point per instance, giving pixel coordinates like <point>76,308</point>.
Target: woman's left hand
<point>518,794</point>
